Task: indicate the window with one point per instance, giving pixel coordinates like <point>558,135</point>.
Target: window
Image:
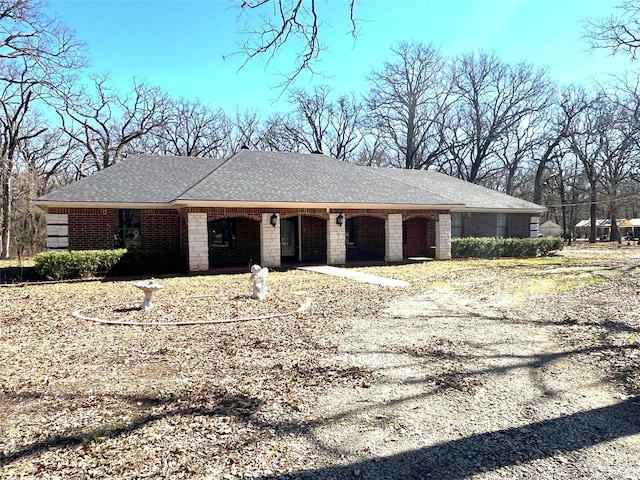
<point>501,222</point>
<point>456,225</point>
<point>128,229</point>
<point>350,231</point>
<point>222,233</point>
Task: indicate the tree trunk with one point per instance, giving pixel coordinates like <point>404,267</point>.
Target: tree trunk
<point>6,217</point>
<point>593,211</point>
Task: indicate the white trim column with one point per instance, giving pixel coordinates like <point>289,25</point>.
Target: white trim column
<point>393,238</point>
<point>58,231</point>
<point>534,227</point>
<point>336,242</point>
<point>443,237</point>
<point>198,240</point>
<point>270,242</point>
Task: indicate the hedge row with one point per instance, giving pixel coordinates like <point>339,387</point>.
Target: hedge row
<point>88,263</point>
<point>473,247</point>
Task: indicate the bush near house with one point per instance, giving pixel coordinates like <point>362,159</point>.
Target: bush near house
<point>87,263</point>
<point>483,247</point>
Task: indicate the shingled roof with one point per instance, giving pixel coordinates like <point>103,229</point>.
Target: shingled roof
<point>255,178</point>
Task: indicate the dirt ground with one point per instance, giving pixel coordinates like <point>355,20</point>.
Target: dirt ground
<point>478,369</point>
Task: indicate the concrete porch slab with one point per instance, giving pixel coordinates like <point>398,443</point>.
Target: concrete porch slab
<point>355,275</point>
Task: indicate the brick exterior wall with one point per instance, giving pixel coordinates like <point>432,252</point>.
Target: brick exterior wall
<point>369,241</point>
<point>486,225</point>
<point>91,228</point>
<point>314,239</point>
<point>160,229</point>
<point>518,225</point>
<point>322,239</point>
<point>420,239</point>
<point>246,248</point>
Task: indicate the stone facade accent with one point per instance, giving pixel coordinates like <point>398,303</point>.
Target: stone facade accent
<point>336,247</point>
<point>443,237</point>
<point>198,240</point>
<point>534,227</point>
<point>269,242</point>
<point>58,231</point>
<point>393,238</point>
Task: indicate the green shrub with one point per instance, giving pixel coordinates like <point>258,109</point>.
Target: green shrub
<point>489,247</point>
<point>87,263</point>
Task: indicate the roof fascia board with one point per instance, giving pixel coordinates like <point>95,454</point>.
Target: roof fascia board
<point>274,205</point>
<point>56,204</point>
<point>497,210</point>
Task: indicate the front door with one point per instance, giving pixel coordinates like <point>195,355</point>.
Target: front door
<point>289,239</point>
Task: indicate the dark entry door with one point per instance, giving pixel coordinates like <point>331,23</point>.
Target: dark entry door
<point>289,239</point>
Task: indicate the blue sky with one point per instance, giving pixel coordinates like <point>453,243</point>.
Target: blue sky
<point>184,47</point>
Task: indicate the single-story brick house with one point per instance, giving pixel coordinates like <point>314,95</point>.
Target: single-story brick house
<point>275,208</point>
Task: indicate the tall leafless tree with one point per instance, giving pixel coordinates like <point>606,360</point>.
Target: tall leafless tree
<point>408,103</point>
<point>191,129</point>
<point>106,124</point>
<point>493,99</point>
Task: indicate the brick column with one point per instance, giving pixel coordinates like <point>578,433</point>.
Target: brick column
<point>269,242</point>
<point>336,246</point>
<point>534,227</point>
<point>393,238</point>
<point>58,231</point>
<point>198,240</point>
<point>443,237</point>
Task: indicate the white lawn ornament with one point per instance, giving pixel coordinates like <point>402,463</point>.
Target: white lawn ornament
<point>258,280</point>
<point>148,288</point>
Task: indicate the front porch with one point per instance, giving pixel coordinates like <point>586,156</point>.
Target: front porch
<point>237,238</point>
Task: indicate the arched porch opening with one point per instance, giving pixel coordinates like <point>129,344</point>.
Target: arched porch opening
<point>418,237</point>
<point>233,241</point>
<point>365,238</point>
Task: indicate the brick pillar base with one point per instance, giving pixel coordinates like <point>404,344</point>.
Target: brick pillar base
<point>269,242</point>
<point>443,237</point>
<point>198,239</point>
<point>393,238</point>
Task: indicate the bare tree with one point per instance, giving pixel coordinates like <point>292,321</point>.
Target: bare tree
<point>285,22</point>
<point>554,130</point>
<point>408,103</point>
<point>106,124</point>
<point>587,138</point>
<point>191,129</point>
<point>320,125</point>
<point>493,99</point>
<point>16,100</point>
<point>617,32</point>
<point>41,41</point>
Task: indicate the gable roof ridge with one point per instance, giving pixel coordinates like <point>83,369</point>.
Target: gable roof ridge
<point>224,162</point>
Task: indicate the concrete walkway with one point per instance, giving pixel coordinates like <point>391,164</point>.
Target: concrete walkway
<point>355,275</point>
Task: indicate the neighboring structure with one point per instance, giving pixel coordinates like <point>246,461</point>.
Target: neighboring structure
<point>275,208</point>
<point>603,228</point>
<point>550,229</point>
